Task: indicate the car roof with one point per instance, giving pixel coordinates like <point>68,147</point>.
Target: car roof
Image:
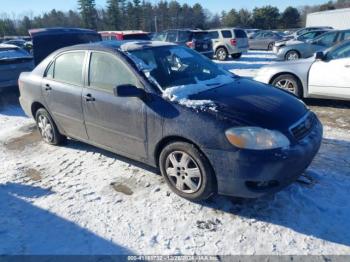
<point>125,45</point>
<point>126,32</point>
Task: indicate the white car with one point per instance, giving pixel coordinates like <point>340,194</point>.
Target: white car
<point>326,75</point>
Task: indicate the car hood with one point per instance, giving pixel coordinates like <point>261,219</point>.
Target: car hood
<point>247,102</point>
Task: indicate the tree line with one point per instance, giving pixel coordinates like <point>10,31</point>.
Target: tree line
<point>143,15</point>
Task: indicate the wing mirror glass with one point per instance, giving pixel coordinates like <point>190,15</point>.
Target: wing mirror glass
<point>129,91</point>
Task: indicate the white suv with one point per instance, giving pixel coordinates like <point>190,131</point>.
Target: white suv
<point>229,41</point>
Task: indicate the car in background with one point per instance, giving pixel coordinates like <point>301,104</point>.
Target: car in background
<point>293,50</point>
<point>13,61</point>
<point>48,40</point>
<point>264,40</point>
<point>326,75</point>
<point>198,40</point>
<point>125,35</point>
<point>229,41</point>
<point>26,45</point>
<point>251,31</point>
<point>302,31</point>
<point>207,130</point>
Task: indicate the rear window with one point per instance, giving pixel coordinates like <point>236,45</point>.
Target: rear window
<point>214,34</point>
<point>226,34</point>
<point>136,37</point>
<point>184,36</point>
<point>200,35</point>
<point>240,33</point>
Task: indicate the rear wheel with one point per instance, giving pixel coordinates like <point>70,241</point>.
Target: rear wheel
<point>47,128</point>
<point>187,171</point>
<point>236,56</point>
<point>221,54</point>
<point>290,83</point>
<point>292,55</point>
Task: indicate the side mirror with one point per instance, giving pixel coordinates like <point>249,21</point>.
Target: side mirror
<point>129,91</point>
<point>320,56</point>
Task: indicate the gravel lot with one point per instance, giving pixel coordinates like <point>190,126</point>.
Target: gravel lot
<point>78,199</point>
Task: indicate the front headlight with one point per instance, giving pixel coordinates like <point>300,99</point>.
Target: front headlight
<point>256,138</point>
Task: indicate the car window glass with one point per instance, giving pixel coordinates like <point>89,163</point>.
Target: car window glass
<point>341,52</point>
<point>346,35</point>
<point>326,40</point>
<point>257,35</point>
<point>226,34</point>
<point>240,33</point>
<point>267,35</point>
<point>69,68</point>
<point>214,34</point>
<point>184,36</point>
<point>159,37</point>
<point>171,36</point>
<point>107,71</point>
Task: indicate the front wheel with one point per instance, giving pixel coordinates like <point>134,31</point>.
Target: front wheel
<point>292,55</point>
<point>270,46</point>
<point>47,128</point>
<point>290,83</point>
<point>187,171</point>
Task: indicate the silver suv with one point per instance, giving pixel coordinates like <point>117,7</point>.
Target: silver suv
<point>229,41</point>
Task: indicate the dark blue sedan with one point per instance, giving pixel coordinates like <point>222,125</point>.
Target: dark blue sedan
<point>207,130</point>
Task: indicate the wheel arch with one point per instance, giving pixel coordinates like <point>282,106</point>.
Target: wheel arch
<point>294,50</point>
<point>35,107</point>
<point>221,46</point>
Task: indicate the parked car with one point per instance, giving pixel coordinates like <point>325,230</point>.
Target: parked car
<point>125,35</point>
<point>26,45</point>
<point>198,40</point>
<point>327,75</point>
<point>264,40</point>
<point>48,40</point>
<point>293,50</point>
<point>308,29</point>
<point>251,32</point>
<point>13,61</point>
<point>151,101</point>
<point>229,41</point>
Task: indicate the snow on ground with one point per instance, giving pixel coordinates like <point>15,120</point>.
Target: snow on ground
<point>77,199</point>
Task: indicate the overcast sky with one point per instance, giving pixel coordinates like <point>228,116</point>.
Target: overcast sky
<point>21,7</point>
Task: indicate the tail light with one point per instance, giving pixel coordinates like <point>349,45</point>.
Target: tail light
<point>190,44</point>
<point>119,36</point>
<point>233,42</point>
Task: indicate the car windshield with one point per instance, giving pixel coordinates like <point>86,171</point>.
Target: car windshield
<point>174,66</point>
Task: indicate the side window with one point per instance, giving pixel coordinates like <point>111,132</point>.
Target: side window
<point>184,36</point>
<point>341,52</point>
<point>346,35</point>
<point>69,68</point>
<point>268,35</point>
<point>171,36</point>
<point>326,40</point>
<point>107,71</point>
<point>226,34</point>
<point>213,34</point>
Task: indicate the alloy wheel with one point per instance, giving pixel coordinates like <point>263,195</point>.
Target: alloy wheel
<point>221,54</point>
<point>286,84</point>
<point>45,128</point>
<point>292,55</point>
<point>183,172</point>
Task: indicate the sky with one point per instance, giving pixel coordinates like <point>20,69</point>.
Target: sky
<point>25,7</point>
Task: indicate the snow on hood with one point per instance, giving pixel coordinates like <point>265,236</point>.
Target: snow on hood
<point>182,93</point>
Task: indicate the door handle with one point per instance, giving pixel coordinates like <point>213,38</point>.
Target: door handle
<point>48,87</point>
<point>89,98</point>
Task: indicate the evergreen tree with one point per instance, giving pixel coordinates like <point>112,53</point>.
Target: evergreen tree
<point>114,15</point>
<point>88,13</point>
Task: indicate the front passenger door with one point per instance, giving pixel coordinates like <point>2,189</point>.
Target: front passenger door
<point>118,123</point>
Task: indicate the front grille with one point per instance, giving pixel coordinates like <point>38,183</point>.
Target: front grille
<point>304,127</point>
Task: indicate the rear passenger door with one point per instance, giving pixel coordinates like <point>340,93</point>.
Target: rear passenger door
<point>118,123</point>
<point>62,88</point>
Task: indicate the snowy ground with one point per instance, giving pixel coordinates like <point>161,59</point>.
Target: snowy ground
<point>78,199</point>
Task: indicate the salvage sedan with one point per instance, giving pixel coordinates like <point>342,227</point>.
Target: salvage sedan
<point>207,130</point>
<point>326,75</point>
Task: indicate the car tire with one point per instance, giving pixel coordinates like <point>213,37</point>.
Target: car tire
<point>47,128</point>
<point>221,54</point>
<point>292,55</point>
<point>236,56</point>
<point>270,46</point>
<point>289,83</point>
<point>187,171</point>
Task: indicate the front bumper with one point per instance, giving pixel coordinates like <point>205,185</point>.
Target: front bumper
<point>254,173</point>
<point>280,52</point>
